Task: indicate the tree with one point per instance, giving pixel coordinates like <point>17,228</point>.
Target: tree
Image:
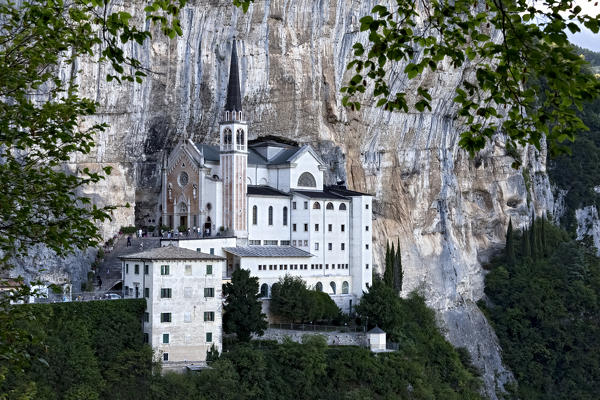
<point>528,81</point>
<point>242,312</point>
<point>398,274</point>
<point>388,274</point>
<point>289,299</point>
<point>380,304</point>
<point>510,245</point>
<point>42,123</point>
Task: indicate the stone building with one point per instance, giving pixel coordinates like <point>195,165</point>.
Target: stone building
<point>182,288</point>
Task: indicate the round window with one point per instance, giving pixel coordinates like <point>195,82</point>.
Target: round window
<point>183,179</point>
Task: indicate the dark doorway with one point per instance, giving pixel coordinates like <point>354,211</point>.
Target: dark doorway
<point>183,221</point>
<point>208,227</point>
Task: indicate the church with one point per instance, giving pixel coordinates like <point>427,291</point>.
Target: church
<point>263,206</point>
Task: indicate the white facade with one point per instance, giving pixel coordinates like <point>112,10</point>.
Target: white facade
<point>270,192</point>
<point>183,292</point>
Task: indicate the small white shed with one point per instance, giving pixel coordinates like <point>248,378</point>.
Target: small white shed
<point>376,337</point>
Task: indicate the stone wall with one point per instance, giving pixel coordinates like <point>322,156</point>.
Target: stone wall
<point>333,338</point>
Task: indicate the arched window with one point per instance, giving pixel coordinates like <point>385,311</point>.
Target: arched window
<point>319,287</point>
<point>307,180</point>
<point>182,208</point>
<point>329,206</point>
<point>285,215</point>
<point>264,290</point>
<point>332,284</point>
<point>227,136</point>
<point>345,287</point>
<point>270,215</point>
<point>240,138</point>
<point>254,215</point>
<point>342,207</point>
<point>316,205</point>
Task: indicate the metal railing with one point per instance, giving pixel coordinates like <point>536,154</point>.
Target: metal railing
<point>318,328</point>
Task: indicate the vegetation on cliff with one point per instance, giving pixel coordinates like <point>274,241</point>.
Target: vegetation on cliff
<point>545,308</point>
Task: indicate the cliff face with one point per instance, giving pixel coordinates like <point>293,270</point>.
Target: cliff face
<point>449,211</point>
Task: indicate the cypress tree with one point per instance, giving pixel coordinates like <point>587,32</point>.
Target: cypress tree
<point>510,249</point>
<point>532,238</point>
<point>525,248</point>
<point>398,274</point>
<point>543,237</point>
<point>388,274</point>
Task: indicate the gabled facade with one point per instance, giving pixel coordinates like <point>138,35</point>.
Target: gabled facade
<point>270,196</point>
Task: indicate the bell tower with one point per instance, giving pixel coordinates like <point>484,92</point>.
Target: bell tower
<point>234,154</point>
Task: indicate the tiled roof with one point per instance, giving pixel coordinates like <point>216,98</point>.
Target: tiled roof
<point>264,190</point>
<point>211,152</point>
<point>267,251</point>
<point>339,189</point>
<point>317,194</point>
<point>171,253</point>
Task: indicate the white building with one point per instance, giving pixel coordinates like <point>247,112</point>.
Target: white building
<point>267,202</point>
<point>182,289</point>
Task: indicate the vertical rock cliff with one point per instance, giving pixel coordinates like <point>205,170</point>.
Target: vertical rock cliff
<point>450,212</point>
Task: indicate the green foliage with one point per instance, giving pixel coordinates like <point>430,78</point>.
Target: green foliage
<point>392,276</point>
<point>292,301</point>
<point>510,245</point>
<point>546,313</point>
<point>128,230</point>
<point>242,310</point>
<point>312,370</point>
<point>90,350</point>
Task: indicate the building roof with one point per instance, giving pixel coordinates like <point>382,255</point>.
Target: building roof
<point>342,190</point>
<point>234,98</point>
<point>318,194</point>
<point>263,190</point>
<point>211,152</point>
<point>267,251</point>
<point>376,330</point>
<point>171,253</point>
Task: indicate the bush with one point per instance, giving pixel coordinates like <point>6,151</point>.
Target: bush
<point>128,230</point>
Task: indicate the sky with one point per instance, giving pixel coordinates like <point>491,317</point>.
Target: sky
<point>586,38</point>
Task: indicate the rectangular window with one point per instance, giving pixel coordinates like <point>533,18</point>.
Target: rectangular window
<point>188,270</point>
<point>367,266</point>
<point>329,227</point>
<point>208,337</point>
<point>316,227</point>
<point>212,251</point>
<point>146,317</point>
<point>164,270</point>
<point>316,245</point>
<point>147,293</point>
<point>126,268</point>
<point>366,247</point>
<point>165,338</point>
<point>343,227</point>
<point>209,270</point>
<point>326,266</point>
<point>366,206</point>
<point>209,316</point>
<point>270,242</point>
<point>198,249</point>
<point>165,317</point>
<point>293,205</point>
<point>284,242</point>
<point>343,246</point>
<point>187,292</point>
<point>146,269</point>
<point>187,317</point>
<point>306,205</point>
<point>306,243</point>
<point>294,227</point>
<point>305,227</point>
<point>254,242</point>
<point>165,293</point>
<point>136,269</point>
<point>294,243</point>
<point>209,292</point>
<point>367,228</point>
<point>166,355</point>
<point>329,246</point>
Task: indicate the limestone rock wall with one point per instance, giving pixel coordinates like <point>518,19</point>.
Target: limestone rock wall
<point>449,211</point>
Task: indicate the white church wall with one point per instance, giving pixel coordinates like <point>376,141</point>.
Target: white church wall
<point>299,217</point>
<point>361,257</point>
<point>306,163</point>
<point>263,231</point>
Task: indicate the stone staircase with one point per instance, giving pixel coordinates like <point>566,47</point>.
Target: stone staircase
<point>110,268</point>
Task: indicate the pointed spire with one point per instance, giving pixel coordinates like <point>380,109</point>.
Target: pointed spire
<point>234,98</point>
